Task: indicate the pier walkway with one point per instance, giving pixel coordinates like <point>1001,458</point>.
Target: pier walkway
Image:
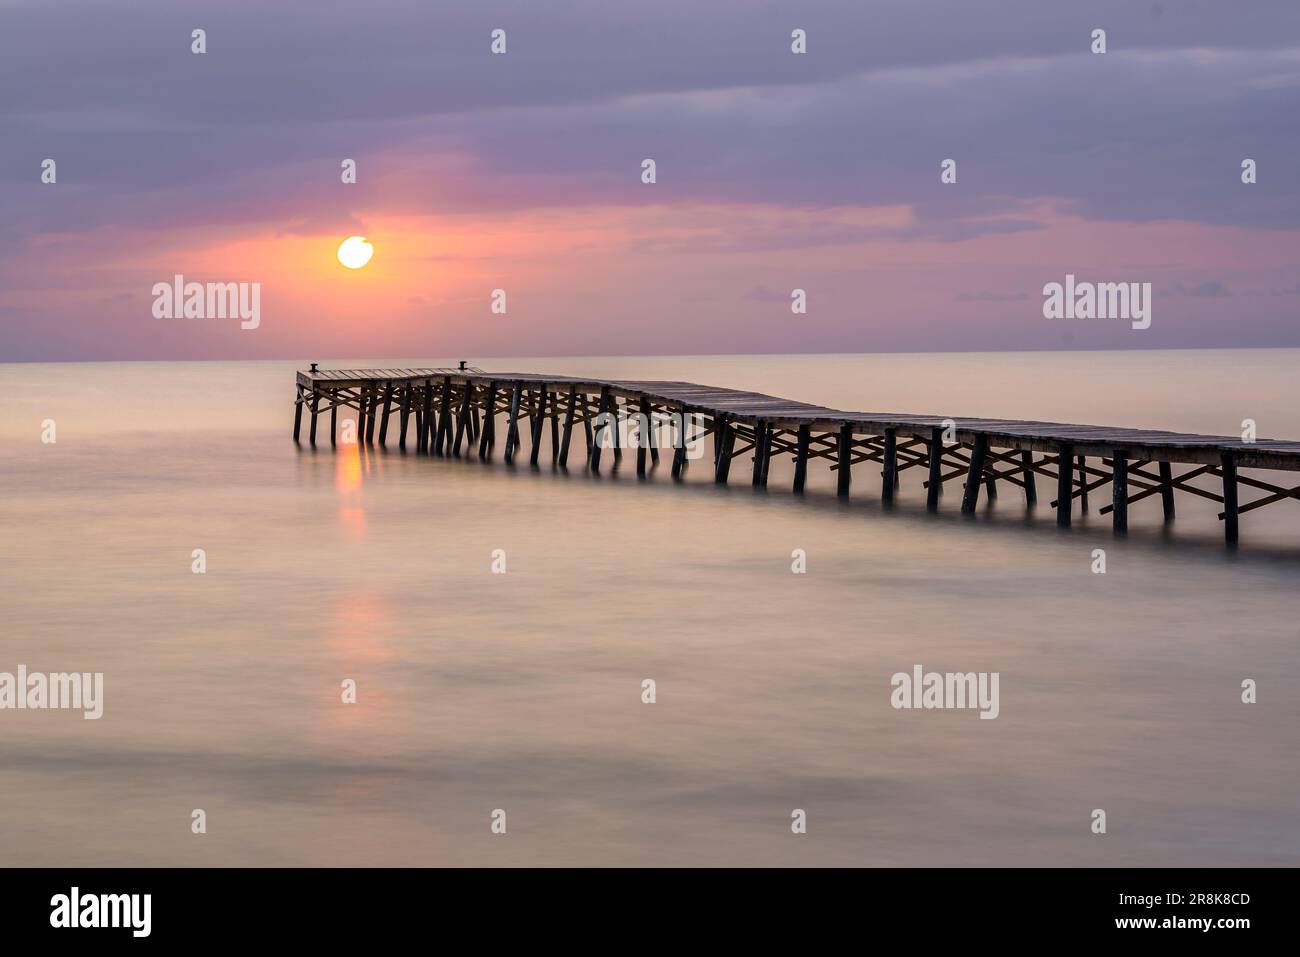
<point>454,411</point>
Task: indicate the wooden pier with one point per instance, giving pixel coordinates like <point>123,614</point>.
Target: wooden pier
<point>455,412</point>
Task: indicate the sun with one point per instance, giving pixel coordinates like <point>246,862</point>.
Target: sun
<point>355,252</point>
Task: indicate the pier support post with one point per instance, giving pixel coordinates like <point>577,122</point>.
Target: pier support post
<point>442,441</point>
<point>603,416</point>
<point>361,417</point>
<point>586,424</point>
<point>768,446</point>
<point>845,451</point>
<point>978,453</point>
<point>620,417</point>
<point>760,445</point>
<point>1081,462</point>
<point>1027,476</point>
<point>512,428</point>
<point>643,438</point>
<point>426,423</point>
<point>1228,466</point>
<point>679,442</point>
<point>539,421</point>
<point>1167,490</point>
<point>405,417</point>
<point>334,416</point>
<point>568,427</point>
<point>934,483</point>
<point>297,416</point>
<point>370,416</point>
<point>889,475</point>
<point>1119,490</point>
<point>462,420</point>
<point>315,406</point>
<point>383,424</point>
<point>801,457</point>
<point>489,436</point>
<point>726,439</point>
<point>555,426</point>
<point>1064,485</point>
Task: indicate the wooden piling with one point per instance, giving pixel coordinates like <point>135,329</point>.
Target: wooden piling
<point>1228,467</point>
<point>555,426</point>
<point>934,482</point>
<point>512,428</point>
<point>760,445</point>
<point>371,415</point>
<point>405,417</point>
<point>1119,491</point>
<point>1081,463</point>
<point>1064,485</point>
<point>297,416</point>
<point>845,461</point>
<point>427,423</point>
<point>889,474</point>
<point>462,420</point>
<point>769,439</point>
<point>679,443</point>
<point>442,441</point>
<point>801,457</point>
<point>1027,476</point>
<point>602,425</point>
<point>383,423</point>
<point>642,435</point>
<point>486,433</point>
<point>971,495</point>
<point>1167,490</point>
<point>538,408</point>
<point>569,414</point>
<point>726,438</point>
<point>334,416</point>
<point>315,406</point>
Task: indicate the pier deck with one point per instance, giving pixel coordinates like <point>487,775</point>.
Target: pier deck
<point>451,407</point>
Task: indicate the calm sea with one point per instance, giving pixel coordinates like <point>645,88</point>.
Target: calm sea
<point>523,691</point>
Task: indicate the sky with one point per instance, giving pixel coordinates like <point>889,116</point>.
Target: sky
<point>522,172</point>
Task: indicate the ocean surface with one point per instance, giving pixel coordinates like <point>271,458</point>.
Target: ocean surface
<point>523,691</point>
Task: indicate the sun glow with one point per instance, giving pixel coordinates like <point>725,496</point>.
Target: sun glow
<point>355,252</point>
